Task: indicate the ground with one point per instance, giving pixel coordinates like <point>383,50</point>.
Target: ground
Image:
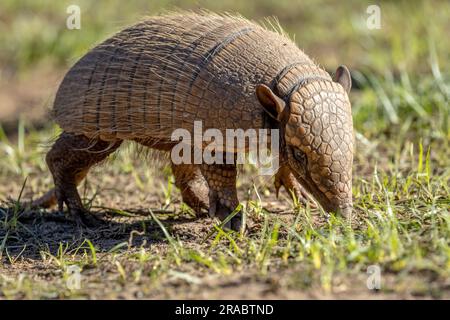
<point>287,252</point>
<point>152,246</point>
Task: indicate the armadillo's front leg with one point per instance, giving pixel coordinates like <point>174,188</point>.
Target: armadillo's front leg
<point>193,187</point>
<point>223,200</point>
<point>285,177</point>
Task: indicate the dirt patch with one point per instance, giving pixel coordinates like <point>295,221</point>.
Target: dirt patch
<point>45,241</point>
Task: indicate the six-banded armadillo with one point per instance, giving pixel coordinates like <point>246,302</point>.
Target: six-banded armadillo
<point>168,71</point>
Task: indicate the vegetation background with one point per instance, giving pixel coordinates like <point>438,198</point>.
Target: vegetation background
<point>400,104</point>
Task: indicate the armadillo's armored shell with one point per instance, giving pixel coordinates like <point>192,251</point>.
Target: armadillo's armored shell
<point>168,71</point>
<point>320,125</point>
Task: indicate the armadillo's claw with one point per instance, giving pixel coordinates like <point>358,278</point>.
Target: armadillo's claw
<point>221,208</point>
<point>277,190</point>
<point>346,212</point>
<point>66,194</point>
<point>193,187</point>
<point>284,177</point>
<point>212,205</point>
<point>85,219</point>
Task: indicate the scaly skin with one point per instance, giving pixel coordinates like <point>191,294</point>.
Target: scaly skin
<point>193,187</point>
<point>167,72</point>
<point>223,199</point>
<point>69,161</point>
<point>316,125</point>
<point>210,187</point>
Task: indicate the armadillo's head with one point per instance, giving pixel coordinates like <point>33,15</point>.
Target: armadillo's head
<point>316,125</point>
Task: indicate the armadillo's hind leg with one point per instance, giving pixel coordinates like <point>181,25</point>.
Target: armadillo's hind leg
<point>69,160</point>
<point>193,187</point>
<point>223,200</point>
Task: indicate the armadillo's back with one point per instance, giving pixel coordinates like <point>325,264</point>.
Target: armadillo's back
<point>169,71</point>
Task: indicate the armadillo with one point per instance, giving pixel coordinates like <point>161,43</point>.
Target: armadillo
<point>168,71</point>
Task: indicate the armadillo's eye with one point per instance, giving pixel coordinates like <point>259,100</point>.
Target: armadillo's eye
<point>299,156</point>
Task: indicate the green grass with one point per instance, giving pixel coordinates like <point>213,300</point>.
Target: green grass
<point>401,172</point>
<point>402,224</point>
<point>32,32</point>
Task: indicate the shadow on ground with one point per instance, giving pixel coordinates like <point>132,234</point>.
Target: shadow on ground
<point>35,230</point>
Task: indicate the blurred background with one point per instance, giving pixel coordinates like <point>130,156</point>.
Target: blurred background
<point>400,70</point>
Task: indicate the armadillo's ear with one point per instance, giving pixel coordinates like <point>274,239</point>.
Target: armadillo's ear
<point>271,103</point>
<point>343,77</point>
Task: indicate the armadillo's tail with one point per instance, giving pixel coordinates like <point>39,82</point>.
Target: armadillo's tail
<point>46,201</point>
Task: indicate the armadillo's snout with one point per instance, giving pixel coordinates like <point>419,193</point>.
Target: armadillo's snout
<point>331,184</point>
<point>331,189</point>
<point>319,136</point>
<point>335,200</point>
